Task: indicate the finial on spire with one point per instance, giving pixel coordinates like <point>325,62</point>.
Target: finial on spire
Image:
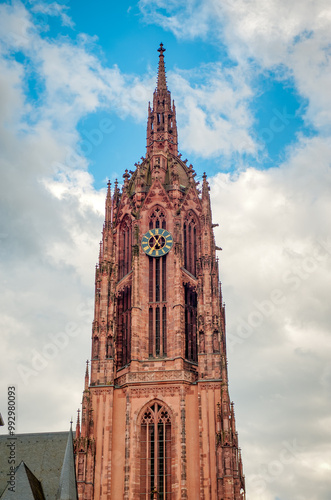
<point>161,49</point>
<point>126,177</point>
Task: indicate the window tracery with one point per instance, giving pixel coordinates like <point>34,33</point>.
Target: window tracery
<point>155,453</point>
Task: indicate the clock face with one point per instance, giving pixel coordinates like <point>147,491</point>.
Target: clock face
<point>157,242</point>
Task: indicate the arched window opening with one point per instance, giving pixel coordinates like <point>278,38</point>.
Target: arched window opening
<point>157,291</point>
<point>157,219</point>
<point>190,324</point>
<point>125,250</point>
<point>190,243</point>
<point>155,453</point>
<point>123,342</point>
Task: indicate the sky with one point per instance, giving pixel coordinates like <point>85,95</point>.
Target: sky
<point>251,80</point>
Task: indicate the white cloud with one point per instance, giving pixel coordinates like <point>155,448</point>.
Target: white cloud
<point>291,38</point>
<point>53,9</point>
<point>186,19</point>
<point>215,112</point>
<point>276,270</point>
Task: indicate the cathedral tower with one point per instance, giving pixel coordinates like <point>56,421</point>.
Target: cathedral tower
<point>156,421</point>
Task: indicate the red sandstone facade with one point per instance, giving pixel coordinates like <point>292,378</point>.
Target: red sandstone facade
<point>156,421</point>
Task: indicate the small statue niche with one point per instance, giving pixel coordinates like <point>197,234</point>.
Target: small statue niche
<point>216,347</point>
<point>201,342</point>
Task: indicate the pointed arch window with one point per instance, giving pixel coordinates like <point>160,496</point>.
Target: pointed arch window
<point>190,242</point>
<point>157,289</point>
<point>155,453</point>
<point>190,324</point>
<point>125,248</point>
<point>123,341</point>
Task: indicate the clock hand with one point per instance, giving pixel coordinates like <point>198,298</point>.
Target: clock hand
<point>156,239</point>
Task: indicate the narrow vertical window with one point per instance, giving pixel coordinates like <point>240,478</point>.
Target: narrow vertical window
<point>190,243</point>
<point>194,258</point>
<point>185,246</point>
<point>164,279</point>
<point>189,249</point>
<point>157,279</point>
<point>151,331</point>
<point>123,341</point>
<point>157,292</point>
<point>124,256</point>
<point>157,331</point>
<point>128,328</point>
<point>151,278</point>
<point>155,453</point>
<point>190,324</point>
<point>125,250</point>
<point>164,330</point>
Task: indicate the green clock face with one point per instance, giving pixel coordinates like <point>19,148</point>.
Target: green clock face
<point>157,242</point>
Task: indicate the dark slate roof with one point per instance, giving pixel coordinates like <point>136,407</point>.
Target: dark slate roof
<point>43,453</point>
<point>26,486</point>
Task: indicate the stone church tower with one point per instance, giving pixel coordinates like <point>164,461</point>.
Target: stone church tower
<point>157,422</point>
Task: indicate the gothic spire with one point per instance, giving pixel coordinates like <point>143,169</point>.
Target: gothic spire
<point>161,75</point>
<point>161,124</point>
